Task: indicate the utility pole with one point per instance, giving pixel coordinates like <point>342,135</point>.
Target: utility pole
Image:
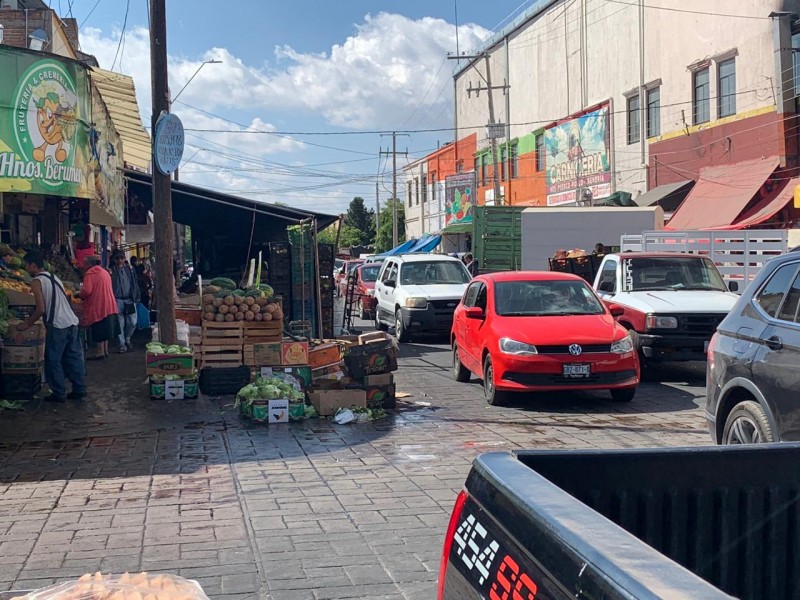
<point>394,154</point>
<point>494,128</point>
<point>377,208</point>
<point>162,185</point>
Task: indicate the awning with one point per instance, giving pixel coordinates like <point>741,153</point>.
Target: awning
<point>768,207</point>
<point>119,95</point>
<point>722,193</point>
<point>622,199</point>
<point>425,244</point>
<point>400,249</point>
<point>667,196</point>
<point>457,228</point>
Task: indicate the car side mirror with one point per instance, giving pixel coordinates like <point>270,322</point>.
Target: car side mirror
<point>733,286</point>
<point>616,310</point>
<point>475,312</point>
<point>390,283</point>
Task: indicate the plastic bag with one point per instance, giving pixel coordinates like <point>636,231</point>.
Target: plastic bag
<point>142,316</point>
<point>344,416</point>
<point>121,587</point>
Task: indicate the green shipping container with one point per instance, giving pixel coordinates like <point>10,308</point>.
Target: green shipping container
<point>497,238</point>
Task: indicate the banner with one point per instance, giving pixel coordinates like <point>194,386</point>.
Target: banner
<point>578,158</point>
<point>45,111</point>
<point>459,198</point>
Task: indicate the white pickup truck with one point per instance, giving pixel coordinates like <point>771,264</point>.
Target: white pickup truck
<point>672,302</point>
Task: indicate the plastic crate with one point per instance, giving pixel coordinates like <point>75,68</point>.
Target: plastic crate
<point>223,381</point>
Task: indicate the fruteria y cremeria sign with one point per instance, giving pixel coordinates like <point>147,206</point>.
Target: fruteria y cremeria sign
<point>44,116</point>
<point>577,157</point>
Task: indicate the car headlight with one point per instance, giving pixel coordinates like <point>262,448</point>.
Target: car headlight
<point>416,302</point>
<point>656,322</point>
<point>622,346</point>
<point>509,346</point>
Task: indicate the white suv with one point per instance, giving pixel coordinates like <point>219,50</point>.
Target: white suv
<point>419,293</point>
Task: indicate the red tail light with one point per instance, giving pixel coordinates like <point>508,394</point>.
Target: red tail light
<point>461,500</point>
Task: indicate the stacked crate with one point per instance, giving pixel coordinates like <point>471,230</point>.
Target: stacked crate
<point>222,344</point>
<point>326,266</point>
<point>22,362</point>
<point>303,273</point>
<point>279,272</point>
<point>257,334</point>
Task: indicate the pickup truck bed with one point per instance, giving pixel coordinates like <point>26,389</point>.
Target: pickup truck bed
<point>699,523</point>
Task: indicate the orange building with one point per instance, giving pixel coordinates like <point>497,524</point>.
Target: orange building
<point>521,170</point>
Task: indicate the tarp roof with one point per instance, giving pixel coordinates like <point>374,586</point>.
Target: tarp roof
<point>119,95</point>
<point>425,244</point>
<point>722,193</point>
<point>400,248</point>
<point>768,207</point>
<point>668,196</point>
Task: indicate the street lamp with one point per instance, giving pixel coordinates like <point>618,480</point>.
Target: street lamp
<point>208,62</point>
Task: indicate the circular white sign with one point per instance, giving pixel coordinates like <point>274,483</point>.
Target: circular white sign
<point>168,143</point>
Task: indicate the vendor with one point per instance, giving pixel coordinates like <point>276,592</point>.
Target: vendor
<point>6,254</point>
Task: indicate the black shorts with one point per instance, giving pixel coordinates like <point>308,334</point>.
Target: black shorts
<point>104,330</point>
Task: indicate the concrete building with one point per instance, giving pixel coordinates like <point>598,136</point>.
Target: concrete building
<point>598,99</point>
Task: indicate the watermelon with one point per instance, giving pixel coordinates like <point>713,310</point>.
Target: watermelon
<point>239,293</point>
<point>268,292</point>
<point>224,283</point>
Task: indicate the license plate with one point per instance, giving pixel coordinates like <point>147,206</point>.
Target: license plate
<point>577,370</point>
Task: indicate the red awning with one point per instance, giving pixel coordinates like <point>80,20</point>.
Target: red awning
<point>722,193</point>
<point>768,207</point>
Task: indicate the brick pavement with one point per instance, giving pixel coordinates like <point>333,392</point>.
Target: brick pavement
<point>308,510</point>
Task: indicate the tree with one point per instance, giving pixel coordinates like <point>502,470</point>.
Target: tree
<point>383,239</point>
<point>361,220</point>
<point>348,237</point>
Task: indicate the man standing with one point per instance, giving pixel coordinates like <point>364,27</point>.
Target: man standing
<point>126,293</point>
<point>63,354</point>
<point>471,264</point>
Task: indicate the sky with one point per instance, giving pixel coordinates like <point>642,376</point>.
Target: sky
<point>296,110</point>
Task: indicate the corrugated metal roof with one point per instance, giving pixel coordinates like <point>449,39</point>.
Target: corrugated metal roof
<point>119,94</point>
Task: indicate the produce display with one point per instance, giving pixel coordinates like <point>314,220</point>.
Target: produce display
<point>13,275</point>
<point>121,587</point>
<point>158,348</point>
<point>268,388</point>
<point>228,305</point>
<point>4,314</point>
<point>161,377</point>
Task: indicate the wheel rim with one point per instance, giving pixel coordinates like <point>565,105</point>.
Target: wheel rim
<point>488,382</point>
<point>455,361</point>
<point>744,431</point>
<point>398,326</point>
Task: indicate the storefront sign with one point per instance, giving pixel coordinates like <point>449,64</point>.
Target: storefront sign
<point>44,116</point>
<point>578,158</point>
<point>168,143</point>
<point>459,198</point>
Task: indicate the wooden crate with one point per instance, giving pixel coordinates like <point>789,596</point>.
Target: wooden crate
<point>220,356</point>
<point>223,334</point>
<point>257,332</point>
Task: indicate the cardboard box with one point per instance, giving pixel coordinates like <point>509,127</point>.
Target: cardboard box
<point>16,298</point>
<point>381,396</point>
<point>300,376</point>
<point>181,389</point>
<point>362,364</point>
<point>263,354</point>
<point>324,354</point>
<point>169,364</point>
<point>382,379</point>
<point>15,358</point>
<point>373,336</point>
<point>294,353</point>
<point>278,411</point>
<point>327,402</point>
<point>33,336</point>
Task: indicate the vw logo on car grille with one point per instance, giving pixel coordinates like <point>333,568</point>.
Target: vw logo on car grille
<point>575,349</point>
<point>451,304</point>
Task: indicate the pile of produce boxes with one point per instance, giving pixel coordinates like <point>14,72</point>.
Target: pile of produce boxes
<point>171,371</point>
<point>22,361</point>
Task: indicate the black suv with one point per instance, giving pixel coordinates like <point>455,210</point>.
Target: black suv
<point>753,375</point>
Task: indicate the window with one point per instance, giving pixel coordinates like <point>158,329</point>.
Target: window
<point>478,167</point>
<point>540,153</point>
<point>654,112</point>
<point>433,187</point>
<point>796,66</point>
<point>608,278</point>
<point>789,310</point>
<point>484,168</point>
<point>416,189</point>
<point>634,120</point>
<point>424,190</point>
<point>471,294</point>
<point>514,161</point>
<point>701,108</point>
<point>408,193</point>
<point>480,300</point>
<point>503,160</point>
<point>771,296</point>
<point>726,88</point>
<point>389,273</point>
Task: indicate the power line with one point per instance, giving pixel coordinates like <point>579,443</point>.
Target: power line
<point>86,18</point>
<point>691,12</point>
<point>122,34</point>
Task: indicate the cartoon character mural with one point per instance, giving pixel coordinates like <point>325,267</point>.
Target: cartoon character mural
<point>56,124</point>
<point>459,198</point>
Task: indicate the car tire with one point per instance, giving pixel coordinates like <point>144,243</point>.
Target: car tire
<point>460,372</point>
<point>363,314</point>
<point>493,396</point>
<point>400,332</point>
<point>379,326</point>
<point>623,394</point>
<point>747,423</point>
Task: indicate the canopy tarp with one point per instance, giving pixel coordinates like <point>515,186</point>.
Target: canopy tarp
<point>668,196</point>
<point>769,207</point>
<point>425,244</point>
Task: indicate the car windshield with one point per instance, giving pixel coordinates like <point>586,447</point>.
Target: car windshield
<point>434,273</point>
<point>351,266</point>
<point>370,272</point>
<point>541,298</point>
<point>671,273</point>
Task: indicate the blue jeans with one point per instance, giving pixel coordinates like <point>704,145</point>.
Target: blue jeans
<point>127,324</point>
<point>63,356</point>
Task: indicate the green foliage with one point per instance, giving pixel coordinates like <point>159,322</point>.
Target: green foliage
<point>361,220</point>
<point>383,239</point>
<point>348,237</point>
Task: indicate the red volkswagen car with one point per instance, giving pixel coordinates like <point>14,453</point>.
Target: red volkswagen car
<point>541,331</point>
<point>341,275</point>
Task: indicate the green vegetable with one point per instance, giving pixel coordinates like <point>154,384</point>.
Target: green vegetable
<point>268,292</point>
<point>156,348</point>
<point>239,293</point>
<point>15,405</point>
<point>258,272</point>
<point>224,283</point>
<point>174,349</point>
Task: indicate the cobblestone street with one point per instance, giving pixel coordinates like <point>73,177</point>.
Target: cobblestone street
<point>306,510</point>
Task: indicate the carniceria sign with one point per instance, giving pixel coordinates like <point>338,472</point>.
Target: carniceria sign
<point>44,109</point>
<point>168,143</point>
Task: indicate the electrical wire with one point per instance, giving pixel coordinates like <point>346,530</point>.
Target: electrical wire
<point>122,34</point>
<point>691,12</point>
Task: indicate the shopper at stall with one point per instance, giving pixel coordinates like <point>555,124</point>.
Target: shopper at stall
<point>126,293</point>
<point>63,352</point>
<point>6,254</point>
<point>100,312</point>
